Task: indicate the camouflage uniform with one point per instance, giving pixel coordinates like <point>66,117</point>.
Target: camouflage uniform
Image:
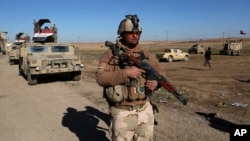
<point>131,112</point>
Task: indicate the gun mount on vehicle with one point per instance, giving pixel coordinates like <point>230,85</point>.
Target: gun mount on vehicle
<point>44,31</point>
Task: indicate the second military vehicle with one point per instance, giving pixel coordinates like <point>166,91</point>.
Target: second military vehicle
<point>13,50</point>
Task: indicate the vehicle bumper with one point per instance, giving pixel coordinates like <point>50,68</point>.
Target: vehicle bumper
<point>40,71</point>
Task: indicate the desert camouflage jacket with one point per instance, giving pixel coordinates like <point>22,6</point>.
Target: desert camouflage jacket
<point>110,73</point>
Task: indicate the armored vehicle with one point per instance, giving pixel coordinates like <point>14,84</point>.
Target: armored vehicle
<point>197,49</point>
<point>13,49</point>
<point>232,48</point>
<point>45,56</point>
<point>41,59</point>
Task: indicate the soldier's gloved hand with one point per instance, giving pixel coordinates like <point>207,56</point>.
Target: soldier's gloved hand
<point>151,84</point>
<point>134,72</point>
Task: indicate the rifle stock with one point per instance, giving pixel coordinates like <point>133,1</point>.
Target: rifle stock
<point>150,71</point>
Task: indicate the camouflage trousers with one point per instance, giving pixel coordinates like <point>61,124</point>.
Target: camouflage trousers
<point>134,125</point>
<point>207,62</point>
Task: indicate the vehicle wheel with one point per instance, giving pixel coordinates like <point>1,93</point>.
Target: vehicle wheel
<point>76,76</point>
<point>186,58</point>
<point>32,80</point>
<point>238,53</point>
<point>12,62</point>
<point>19,66</point>
<point>20,72</point>
<point>170,59</point>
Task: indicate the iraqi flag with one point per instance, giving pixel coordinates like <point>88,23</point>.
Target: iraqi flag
<point>243,32</point>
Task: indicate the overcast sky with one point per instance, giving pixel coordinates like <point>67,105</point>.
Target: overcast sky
<point>98,20</point>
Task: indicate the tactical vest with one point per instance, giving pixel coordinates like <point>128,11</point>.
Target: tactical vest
<point>133,89</point>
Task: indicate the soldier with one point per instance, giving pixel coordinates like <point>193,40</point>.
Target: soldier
<point>126,87</point>
<point>208,57</point>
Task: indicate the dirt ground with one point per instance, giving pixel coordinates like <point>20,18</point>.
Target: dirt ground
<point>60,109</point>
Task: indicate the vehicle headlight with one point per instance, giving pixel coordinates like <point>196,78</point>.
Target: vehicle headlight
<point>37,68</point>
<point>77,59</point>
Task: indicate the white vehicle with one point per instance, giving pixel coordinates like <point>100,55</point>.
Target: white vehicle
<point>171,55</point>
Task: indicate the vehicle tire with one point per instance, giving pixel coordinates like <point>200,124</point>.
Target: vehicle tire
<point>170,59</point>
<point>12,62</point>
<point>238,53</point>
<point>76,76</point>
<point>19,66</point>
<point>32,80</point>
<point>186,58</point>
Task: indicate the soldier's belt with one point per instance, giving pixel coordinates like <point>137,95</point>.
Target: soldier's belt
<point>130,107</point>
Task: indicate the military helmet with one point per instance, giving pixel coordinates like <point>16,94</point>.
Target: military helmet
<point>130,23</point>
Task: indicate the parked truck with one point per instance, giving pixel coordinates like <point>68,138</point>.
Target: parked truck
<point>232,48</point>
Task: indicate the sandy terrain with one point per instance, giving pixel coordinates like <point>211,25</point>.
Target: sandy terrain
<point>60,109</point>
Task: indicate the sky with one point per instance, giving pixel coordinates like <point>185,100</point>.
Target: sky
<point>98,20</point>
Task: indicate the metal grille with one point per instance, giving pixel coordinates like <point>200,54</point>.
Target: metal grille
<point>57,63</point>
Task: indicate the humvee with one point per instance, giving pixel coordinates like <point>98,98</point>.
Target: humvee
<point>197,49</point>
<point>45,56</point>
<point>231,48</point>
<point>13,50</point>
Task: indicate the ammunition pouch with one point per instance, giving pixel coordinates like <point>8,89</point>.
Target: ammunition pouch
<point>132,91</point>
<point>115,94</point>
<point>136,89</point>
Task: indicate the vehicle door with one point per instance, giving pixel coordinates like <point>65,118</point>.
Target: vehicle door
<point>179,54</point>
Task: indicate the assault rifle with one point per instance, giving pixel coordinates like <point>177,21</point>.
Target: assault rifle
<point>150,71</point>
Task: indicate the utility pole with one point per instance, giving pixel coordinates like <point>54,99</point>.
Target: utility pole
<point>167,38</point>
<point>155,40</point>
<point>223,38</point>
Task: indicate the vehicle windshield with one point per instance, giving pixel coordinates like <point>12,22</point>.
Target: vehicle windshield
<point>59,49</point>
<point>14,47</point>
<point>38,49</point>
<point>167,50</point>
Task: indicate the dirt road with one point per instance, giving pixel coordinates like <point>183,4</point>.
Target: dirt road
<point>37,113</point>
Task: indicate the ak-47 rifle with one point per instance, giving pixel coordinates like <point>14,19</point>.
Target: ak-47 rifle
<point>150,71</point>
